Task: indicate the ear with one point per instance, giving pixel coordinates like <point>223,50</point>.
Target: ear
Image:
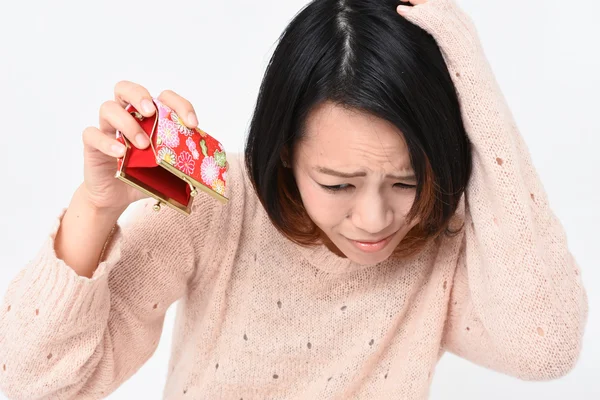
<point>285,157</point>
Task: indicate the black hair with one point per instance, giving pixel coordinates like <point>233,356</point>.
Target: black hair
<point>360,54</point>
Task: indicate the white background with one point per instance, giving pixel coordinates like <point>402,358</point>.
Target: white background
<point>59,61</point>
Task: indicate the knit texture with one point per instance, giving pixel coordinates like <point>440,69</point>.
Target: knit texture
<point>259,317</point>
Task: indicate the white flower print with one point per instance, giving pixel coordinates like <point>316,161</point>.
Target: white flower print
<point>185,163</point>
<point>210,170</point>
<point>168,155</point>
<point>167,133</point>
<point>180,125</point>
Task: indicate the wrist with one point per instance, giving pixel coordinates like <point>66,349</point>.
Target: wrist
<point>82,197</point>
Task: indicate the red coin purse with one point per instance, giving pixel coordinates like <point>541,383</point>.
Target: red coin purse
<point>179,162</point>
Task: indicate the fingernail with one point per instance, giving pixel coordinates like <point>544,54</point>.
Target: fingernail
<point>142,140</point>
<point>118,149</point>
<point>147,106</point>
<point>403,9</point>
<point>192,120</point>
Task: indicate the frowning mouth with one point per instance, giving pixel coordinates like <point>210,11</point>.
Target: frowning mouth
<point>372,246</point>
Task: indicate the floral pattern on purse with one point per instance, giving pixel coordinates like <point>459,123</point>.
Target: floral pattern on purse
<point>179,161</point>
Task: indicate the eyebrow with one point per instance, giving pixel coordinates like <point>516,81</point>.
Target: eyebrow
<point>410,176</point>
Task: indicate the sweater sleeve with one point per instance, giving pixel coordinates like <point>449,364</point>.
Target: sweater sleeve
<point>63,336</point>
<point>517,305</point>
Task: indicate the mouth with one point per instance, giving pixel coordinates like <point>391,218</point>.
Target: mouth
<point>372,246</point>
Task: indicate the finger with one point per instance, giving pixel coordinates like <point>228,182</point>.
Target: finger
<point>408,5</point>
<point>113,118</point>
<point>96,139</point>
<point>403,9</point>
<point>131,93</point>
<point>181,106</point>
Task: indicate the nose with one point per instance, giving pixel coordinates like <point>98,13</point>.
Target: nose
<point>372,214</point>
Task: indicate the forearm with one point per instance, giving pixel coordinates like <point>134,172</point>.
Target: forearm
<point>518,304</point>
<point>83,232</point>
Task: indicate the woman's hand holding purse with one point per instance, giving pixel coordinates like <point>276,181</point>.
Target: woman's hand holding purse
<point>101,148</point>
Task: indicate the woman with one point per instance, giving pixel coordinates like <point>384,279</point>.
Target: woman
<point>386,210</point>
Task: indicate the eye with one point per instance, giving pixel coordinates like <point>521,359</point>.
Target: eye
<point>337,188</point>
<point>404,186</point>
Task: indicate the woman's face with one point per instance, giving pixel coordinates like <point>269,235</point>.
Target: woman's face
<point>355,178</point>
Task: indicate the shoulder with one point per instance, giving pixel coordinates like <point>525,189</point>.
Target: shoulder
<point>213,218</point>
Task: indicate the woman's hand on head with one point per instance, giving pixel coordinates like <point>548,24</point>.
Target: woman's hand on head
<point>101,148</point>
<point>405,8</point>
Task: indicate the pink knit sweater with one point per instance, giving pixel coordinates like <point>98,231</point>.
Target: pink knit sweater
<point>262,318</point>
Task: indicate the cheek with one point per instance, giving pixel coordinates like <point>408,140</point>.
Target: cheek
<point>404,204</point>
<point>405,209</point>
<point>323,208</point>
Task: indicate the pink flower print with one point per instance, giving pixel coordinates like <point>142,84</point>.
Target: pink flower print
<point>190,143</point>
<point>167,133</point>
<point>180,125</point>
<point>224,176</point>
<point>218,186</point>
<point>185,163</point>
<point>192,147</point>
<point>168,155</point>
<point>163,111</point>
<point>209,170</point>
